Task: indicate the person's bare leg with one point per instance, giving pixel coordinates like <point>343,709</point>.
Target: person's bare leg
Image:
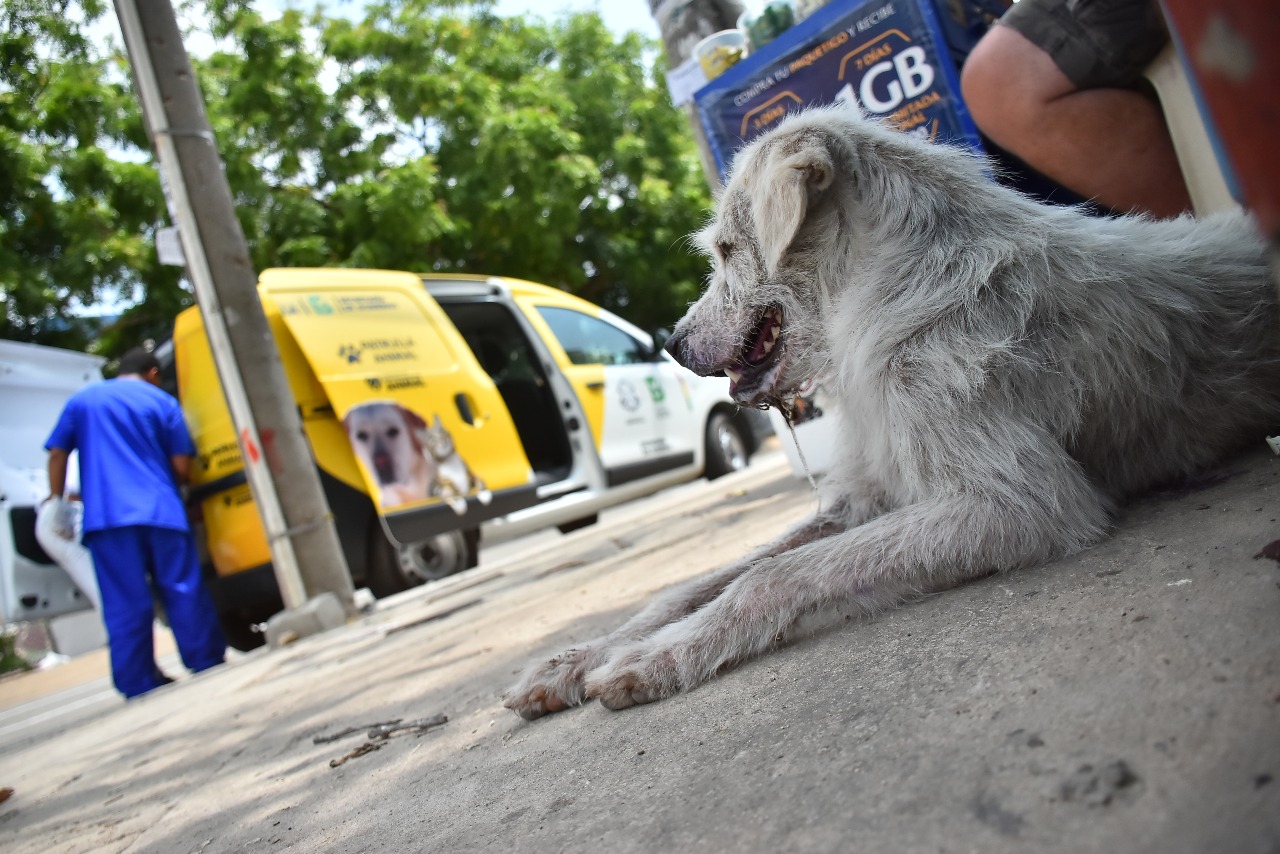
<point>1110,145</point>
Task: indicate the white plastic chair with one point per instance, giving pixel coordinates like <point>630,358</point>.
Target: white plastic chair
<point>1200,168</point>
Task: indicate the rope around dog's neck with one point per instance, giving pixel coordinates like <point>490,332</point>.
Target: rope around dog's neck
<point>786,408</point>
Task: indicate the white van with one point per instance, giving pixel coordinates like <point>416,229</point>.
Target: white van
<point>35,382</point>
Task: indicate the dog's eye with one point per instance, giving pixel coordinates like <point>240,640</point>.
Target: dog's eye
<point>393,432</point>
<point>362,435</point>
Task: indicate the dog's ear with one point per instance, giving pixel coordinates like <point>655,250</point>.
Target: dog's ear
<point>417,427</point>
<point>411,418</point>
<point>348,420</point>
<point>792,175</point>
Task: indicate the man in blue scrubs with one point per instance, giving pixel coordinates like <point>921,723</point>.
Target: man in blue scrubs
<point>135,450</point>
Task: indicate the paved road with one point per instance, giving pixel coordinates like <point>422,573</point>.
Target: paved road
<point>1123,700</point>
<point>64,700</point>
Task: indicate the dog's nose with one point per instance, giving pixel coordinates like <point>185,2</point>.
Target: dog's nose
<point>678,346</point>
<point>675,346</point>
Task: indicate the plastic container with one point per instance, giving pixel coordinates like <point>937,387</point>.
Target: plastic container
<point>719,51</point>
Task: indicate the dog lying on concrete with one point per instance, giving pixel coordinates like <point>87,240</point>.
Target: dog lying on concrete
<point>1006,372</point>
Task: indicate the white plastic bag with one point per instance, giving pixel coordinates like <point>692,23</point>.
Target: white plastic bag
<point>63,518</point>
<point>69,553</point>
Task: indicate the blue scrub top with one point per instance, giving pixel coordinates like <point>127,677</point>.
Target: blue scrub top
<point>126,430</point>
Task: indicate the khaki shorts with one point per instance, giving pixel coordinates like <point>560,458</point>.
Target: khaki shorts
<point>1096,43</point>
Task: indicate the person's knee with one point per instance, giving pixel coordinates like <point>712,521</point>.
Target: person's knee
<point>982,78</point>
<point>1008,82</point>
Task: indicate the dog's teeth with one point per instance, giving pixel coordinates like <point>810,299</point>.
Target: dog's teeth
<point>733,375</point>
<point>768,345</point>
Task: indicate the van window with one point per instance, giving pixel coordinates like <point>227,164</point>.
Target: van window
<point>589,340</point>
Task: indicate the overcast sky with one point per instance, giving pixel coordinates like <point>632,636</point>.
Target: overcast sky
<point>619,15</point>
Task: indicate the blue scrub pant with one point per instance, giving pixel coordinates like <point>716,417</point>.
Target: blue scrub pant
<point>128,561</point>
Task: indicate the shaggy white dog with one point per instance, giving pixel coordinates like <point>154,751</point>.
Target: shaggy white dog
<point>1006,372</point>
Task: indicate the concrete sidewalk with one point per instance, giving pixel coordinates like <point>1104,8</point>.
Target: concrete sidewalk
<point>1125,699</point>
<point>19,688</point>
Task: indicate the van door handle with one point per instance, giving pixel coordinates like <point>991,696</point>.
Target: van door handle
<point>596,386</point>
<point>464,408</point>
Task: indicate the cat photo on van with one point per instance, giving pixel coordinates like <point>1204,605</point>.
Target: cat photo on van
<point>454,478</point>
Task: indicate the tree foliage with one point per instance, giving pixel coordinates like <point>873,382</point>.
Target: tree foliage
<point>428,135</point>
<point>78,202</point>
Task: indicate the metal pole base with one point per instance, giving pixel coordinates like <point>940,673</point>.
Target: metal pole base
<point>317,615</point>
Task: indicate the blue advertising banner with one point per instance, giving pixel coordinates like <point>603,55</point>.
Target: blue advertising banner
<point>891,57</point>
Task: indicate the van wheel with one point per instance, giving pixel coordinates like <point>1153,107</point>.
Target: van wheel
<point>393,570</point>
<point>726,447</point>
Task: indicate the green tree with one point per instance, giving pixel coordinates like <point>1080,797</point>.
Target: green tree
<point>78,201</point>
<point>449,139</point>
<point>429,135</point>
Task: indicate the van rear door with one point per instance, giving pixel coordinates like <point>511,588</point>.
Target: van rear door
<point>436,444</point>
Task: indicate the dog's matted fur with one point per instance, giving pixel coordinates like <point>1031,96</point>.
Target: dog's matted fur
<point>1006,371</point>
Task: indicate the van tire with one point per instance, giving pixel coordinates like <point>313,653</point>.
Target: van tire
<point>394,570</point>
<point>726,446</point>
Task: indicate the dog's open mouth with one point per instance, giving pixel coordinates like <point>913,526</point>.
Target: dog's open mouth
<point>753,377</point>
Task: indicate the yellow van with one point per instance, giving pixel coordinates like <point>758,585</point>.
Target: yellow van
<point>434,404</point>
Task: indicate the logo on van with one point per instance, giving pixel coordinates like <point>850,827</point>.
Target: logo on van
<point>349,353</point>
<point>655,389</point>
<point>628,396</point>
<point>319,305</point>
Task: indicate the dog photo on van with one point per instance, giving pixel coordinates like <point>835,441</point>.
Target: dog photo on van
<point>1005,372</point>
<point>386,438</point>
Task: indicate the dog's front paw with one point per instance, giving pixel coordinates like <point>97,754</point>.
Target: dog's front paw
<point>552,686</point>
<point>633,678</point>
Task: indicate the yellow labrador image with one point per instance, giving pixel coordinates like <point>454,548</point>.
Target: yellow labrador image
<point>386,438</point>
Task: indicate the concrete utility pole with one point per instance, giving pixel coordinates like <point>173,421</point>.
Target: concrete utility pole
<point>684,23</point>
<point>305,549</point>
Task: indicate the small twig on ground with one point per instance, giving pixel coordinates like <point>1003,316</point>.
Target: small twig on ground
<point>561,567</point>
<point>379,733</point>
<point>419,726</point>
<point>352,730</point>
<point>367,747</point>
